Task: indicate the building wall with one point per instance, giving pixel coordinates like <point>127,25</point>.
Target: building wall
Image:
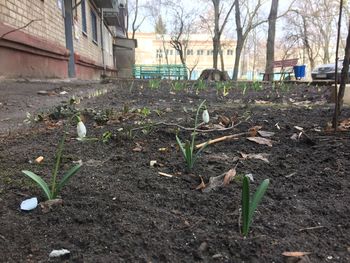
<point>39,49</point>
<point>50,24</point>
<point>84,44</point>
<point>199,57</point>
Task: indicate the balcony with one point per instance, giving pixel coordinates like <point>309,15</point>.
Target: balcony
<point>110,16</point>
<point>104,3</point>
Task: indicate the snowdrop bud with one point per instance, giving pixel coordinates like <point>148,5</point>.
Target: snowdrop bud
<point>205,116</point>
<point>81,130</point>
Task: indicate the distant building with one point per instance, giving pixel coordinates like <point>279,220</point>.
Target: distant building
<point>155,49</point>
<point>60,38</point>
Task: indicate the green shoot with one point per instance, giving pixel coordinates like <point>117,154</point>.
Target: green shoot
<point>55,187</point>
<point>154,83</point>
<point>106,136</point>
<point>249,206</point>
<point>188,148</point>
<point>178,86</point>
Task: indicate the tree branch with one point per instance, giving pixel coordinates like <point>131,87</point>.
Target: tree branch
<point>17,29</point>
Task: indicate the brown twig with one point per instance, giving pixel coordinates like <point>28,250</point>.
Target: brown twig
<point>311,228</point>
<point>220,139</point>
<point>17,29</point>
<point>185,128</point>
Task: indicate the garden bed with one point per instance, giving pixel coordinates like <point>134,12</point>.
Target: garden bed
<point>118,208</point>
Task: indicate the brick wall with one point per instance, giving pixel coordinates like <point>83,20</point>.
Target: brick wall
<point>17,13</point>
<point>84,44</point>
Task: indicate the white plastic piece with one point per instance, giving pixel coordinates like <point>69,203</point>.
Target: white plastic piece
<point>59,253</point>
<point>29,204</point>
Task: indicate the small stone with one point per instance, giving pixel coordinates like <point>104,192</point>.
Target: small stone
<point>217,256</point>
<point>59,253</point>
<point>203,246</point>
<point>152,163</point>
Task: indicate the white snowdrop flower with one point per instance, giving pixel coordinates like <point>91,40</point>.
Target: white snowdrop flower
<point>205,116</point>
<point>81,130</point>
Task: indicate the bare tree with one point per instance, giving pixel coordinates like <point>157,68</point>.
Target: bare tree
<point>133,15</point>
<point>250,21</point>
<point>218,29</point>
<point>311,23</point>
<point>270,46</point>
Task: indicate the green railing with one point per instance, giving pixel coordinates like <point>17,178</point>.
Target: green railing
<point>160,71</point>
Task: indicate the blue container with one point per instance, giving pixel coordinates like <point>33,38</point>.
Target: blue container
<point>299,71</point>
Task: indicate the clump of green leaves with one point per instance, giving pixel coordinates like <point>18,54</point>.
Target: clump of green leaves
<point>145,111</point>
<point>222,87</point>
<point>201,84</point>
<point>154,83</point>
<point>55,187</point>
<point>256,85</point>
<point>188,148</point>
<point>178,86</point>
<point>249,206</point>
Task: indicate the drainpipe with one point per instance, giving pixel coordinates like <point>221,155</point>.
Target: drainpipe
<point>102,43</point>
<point>68,27</point>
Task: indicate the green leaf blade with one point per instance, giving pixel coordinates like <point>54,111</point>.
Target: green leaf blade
<point>40,182</point>
<point>259,194</point>
<point>181,146</point>
<point>245,206</point>
<point>66,177</point>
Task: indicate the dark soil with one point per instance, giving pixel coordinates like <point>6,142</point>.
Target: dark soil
<point>119,209</point>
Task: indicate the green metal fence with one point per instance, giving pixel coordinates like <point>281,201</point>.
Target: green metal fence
<point>160,71</point>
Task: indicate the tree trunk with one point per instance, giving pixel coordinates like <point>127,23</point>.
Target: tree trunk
<point>240,40</point>
<point>221,52</point>
<point>239,49</point>
<point>344,76</point>
<point>270,46</point>
<point>216,38</point>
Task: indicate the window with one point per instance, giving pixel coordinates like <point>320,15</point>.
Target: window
<point>83,16</point>
<point>189,52</point>
<point>159,53</point>
<point>200,52</point>
<point>210,52</point>
<point>94,26</point>
<point>230,52</point>
<point>171,52</point>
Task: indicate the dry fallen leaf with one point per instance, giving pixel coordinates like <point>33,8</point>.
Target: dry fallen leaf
<point>254,130</point>
<point>229,176</point>
<point>266,133</point>
<point>261,140</point>
<point>214,182</point>
<point>295,254</point>
<point>258,156</point>
<point>48,205</point>
<point>225,121</point>
<point>138,148</point>
<point>201,185</point>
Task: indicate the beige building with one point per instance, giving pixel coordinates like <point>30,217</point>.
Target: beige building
<point>59,38</point>
<point>155,49</point>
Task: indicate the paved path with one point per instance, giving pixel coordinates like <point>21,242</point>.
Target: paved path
<point>19,97</point>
